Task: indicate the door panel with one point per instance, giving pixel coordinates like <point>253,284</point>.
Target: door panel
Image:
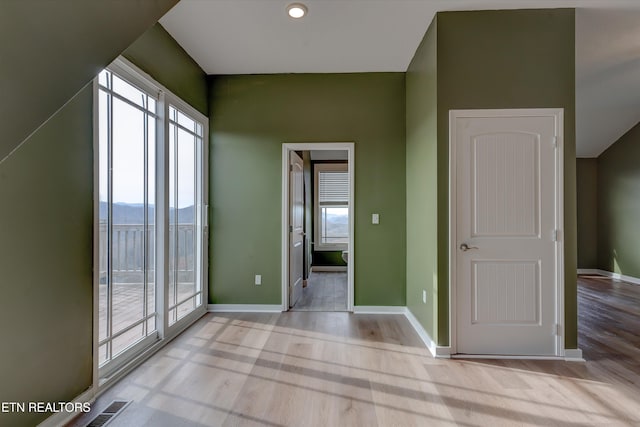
<point>296,221</point>
<point>505,292</point>
<point>506,251</point>
<point>505,174</point>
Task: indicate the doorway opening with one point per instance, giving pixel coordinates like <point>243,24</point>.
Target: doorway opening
<point>317,226</point>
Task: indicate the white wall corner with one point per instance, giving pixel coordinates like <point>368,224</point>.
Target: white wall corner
<point>436,350</point>
<point>573,355</point>
<point>244,308</point>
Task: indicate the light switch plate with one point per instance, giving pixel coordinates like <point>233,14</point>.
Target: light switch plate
<point>258,279</point>
<point>375,219</point>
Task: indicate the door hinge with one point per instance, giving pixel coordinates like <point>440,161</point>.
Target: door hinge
<point>554,141</point>
<point>557,329</point>
<point>290,168</point>
<point>555,235</point>
<point>291,229</point>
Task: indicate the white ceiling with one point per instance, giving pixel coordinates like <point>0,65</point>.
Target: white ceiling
<point>340,36</point>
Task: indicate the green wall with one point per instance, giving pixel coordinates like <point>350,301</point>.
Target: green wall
<point>46,249</point>
<point>52,49</point>
<point>421,173</point>
<point>619,205</point>
<point>587,207</point>
<point>507,59</point>
<point>46,224</point>
<point>328,258</point>
<point>251,117</point>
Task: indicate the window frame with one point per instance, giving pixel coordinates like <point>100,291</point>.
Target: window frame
<point>201,189</point>
<point>318,244</point>
<point>105,375</point>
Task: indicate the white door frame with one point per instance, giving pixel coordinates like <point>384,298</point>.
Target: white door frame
<point>311,146</point>
<point>558,115</point>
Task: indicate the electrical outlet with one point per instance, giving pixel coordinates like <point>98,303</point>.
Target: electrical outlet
<point>258,279</point>
<point>424,296</point>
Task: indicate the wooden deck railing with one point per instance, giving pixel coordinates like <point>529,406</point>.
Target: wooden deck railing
<point>128,243</point>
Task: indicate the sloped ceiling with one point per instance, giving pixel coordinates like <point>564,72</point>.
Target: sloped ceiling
<point>607,77</point>
<point>256,36</point>
<point>49,50</point>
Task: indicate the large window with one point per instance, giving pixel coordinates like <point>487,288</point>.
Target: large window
<point>150,213</point>
<point>332,206</point>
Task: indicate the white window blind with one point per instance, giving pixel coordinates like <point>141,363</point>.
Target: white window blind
<point>333,188</point>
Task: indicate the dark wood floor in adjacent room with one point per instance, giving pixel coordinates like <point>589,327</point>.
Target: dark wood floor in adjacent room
<point>609,326</point>
<point>341,369</point>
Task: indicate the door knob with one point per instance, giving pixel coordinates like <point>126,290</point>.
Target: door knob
<point>464,247</point>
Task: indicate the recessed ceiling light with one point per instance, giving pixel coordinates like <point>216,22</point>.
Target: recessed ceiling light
<point>297,10</point>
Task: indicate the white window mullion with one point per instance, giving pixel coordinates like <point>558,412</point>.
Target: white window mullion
<point>197,227</point>
<point>162,217</point>
<point>176,230</point>
<point>145,222</point>
<point>109,346</point>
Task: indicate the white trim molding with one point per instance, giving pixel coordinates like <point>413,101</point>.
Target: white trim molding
<point>504,357</point>
<point>590,271</point>
<point>349,147</point>
<point>244,308</point>
<point>570,355</point>
<point>610,274</point>
<point>379,309</point>
<point>440,352</point>
<point>573,355</point>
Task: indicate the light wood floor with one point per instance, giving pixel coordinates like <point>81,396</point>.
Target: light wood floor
<point>340,369</point>
<point>325,291</point>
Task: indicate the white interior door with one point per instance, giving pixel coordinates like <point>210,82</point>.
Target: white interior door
<point>296,227</point>
<point>507,227</point>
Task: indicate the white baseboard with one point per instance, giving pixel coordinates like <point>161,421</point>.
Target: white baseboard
<point>244,308</point>
<point>379,309</point>
<point>328,268</point>
<point>624,278</point>
<point>436,350</point>
<point>573,355</point>
<point>62,418</point>
<point>504,357</point>
<point>589,271</point>
<point>617,276</point>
